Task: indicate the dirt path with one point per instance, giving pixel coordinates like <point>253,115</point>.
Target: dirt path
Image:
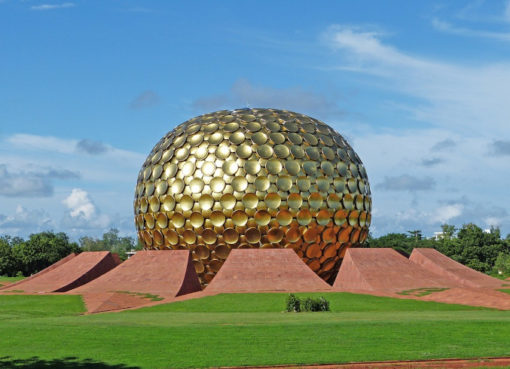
<point>432,364</point>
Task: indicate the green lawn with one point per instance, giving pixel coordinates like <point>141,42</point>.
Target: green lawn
<point>4,279</point>
<point>245,329</point>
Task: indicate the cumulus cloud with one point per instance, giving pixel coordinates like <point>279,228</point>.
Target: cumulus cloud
<point>407,182</point>
<point>52,6</point>
<point>500,148</point>
<point>31,183</point>
<point>82,212</point>
<point>244,93</point>
<point>79,204</point>
<point>446,213</point>
<point>91,147</point>
<point>146,99</point>
<point>23,219</point>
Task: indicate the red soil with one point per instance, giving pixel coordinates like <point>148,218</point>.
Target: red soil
<point>265,270</point>
<point>432,364</point>
<point>44,271</point>
<point>162,274</point>
<point>433,261</point>
<point>384,272</point>
<point>68,273</point>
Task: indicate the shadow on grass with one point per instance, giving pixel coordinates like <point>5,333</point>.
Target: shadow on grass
<point>64,363</point>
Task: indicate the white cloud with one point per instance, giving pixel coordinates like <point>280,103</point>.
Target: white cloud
<point>24,221</point>
<point>83,213</point>
<point>446,213</point>
<point>244,93</point>
<point>506,13</point>
<point>52,6</point>
<point>52,144</point>
<point>443,26</point>
<point>453,96</point>
<point>44,143</point>
<point>493,222</point>
<point>79,204</point>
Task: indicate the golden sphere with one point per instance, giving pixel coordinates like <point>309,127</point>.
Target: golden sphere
<point>252,178</point>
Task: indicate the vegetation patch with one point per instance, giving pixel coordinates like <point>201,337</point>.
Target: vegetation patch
<point>10,279</point>
<point>419,292</point>
<point>142,295</point>
<point>244,329</point>
<point>505,290</point>
<point>296,305</point>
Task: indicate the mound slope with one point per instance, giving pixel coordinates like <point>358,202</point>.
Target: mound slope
<point>384,269</point>
<point>265,270</point>
<point>68,273</point>
<point>161,274</point>
<point>433,261</point>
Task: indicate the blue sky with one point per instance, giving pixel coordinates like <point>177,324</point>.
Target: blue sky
<point>421,90</point>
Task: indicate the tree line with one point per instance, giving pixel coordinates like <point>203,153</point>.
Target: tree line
<point>20,257</point>
<point>470,245</point>
<point>484,251</point>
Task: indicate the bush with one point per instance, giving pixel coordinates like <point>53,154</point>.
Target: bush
<point>294,304</point>
<point>502,263</point>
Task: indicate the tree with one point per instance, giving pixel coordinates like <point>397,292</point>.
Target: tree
<point>416,234</point>
<point>110,242</point>
<point>474,247</point>
<point>448,231</point>
<point>502,263</point>
<point>8,264</point>
<point>41,250</point>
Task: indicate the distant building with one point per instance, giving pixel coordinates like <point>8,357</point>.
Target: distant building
<point>438,236</point>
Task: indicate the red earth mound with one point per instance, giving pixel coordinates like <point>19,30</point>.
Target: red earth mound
<point>265,270</point>
<point>68,273</point>
<point>145,277</point>
<point>435,262</point>
<point>384,270</point>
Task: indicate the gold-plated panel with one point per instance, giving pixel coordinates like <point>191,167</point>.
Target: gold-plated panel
<point>206,202</point>
<point>239,218</point>
<point>284,217</point>
<point>252,167</point>
<point>274,166</point>
<point>239,184</point>
<point>275,235</point>
<point>196,219</point>
<point>228,201</point>
<point>253,178</point>
<point>294,200</point>
<point>230,235</point>
<point>250,201</point>
<point>273,200</point>
<point>262,217</point>
<point>217,218</point>
<point>209,236</point>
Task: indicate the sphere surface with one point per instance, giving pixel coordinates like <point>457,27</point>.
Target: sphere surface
<point>253,178</point>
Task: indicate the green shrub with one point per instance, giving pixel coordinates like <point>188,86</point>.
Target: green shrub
<point>293,303</point>
<point>310,304</point>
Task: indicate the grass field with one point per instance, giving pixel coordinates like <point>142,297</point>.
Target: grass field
<point>227,330</point>
<point>5,280</point>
